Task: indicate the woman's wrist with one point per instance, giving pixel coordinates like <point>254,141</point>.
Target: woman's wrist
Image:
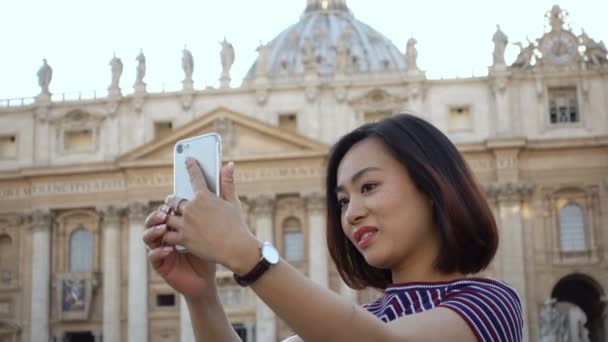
<point>245,256</point>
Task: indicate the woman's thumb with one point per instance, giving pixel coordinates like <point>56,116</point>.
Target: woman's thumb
<point>228,189</point>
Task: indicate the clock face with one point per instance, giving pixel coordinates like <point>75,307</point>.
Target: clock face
<point>560,48</point>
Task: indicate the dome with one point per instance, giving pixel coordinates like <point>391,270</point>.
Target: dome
<point>327,40</point>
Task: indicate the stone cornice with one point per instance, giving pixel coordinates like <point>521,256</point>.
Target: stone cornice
<point>509,191</point>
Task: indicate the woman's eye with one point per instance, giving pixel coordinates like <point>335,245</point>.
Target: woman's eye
<point>342,202</point>
<point>368,187</point>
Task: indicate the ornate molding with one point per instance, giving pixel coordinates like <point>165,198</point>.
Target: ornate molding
<point>263,205</point>
<point>509,191</point>
<point>315,203</point>
<point>41,220</point>
<point>138,210</point>
<point>111,214</point>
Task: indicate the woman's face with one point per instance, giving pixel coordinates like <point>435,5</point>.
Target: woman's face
<point>382,212</point>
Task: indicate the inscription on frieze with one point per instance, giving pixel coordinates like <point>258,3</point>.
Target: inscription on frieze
<point>146,180</point>
<point>278,173</point>
<point>61,188</point>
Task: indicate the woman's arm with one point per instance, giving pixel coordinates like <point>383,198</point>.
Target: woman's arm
<point>317,314</point>
<point>209,320</point>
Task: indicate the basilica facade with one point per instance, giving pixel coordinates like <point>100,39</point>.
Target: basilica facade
<point>78,177</point>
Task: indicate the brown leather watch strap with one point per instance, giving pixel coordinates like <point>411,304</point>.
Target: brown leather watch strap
<point>262,266</point>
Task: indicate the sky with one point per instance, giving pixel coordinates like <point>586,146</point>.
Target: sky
<point>78,38</point>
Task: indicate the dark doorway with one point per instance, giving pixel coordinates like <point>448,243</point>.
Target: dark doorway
<point>85,336</point>
<point>586,293</point>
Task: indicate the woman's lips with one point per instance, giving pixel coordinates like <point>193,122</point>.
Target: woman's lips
<point>366,239</point>
<point>364,235</point>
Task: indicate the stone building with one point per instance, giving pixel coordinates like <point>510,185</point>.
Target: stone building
<point>78,177</point>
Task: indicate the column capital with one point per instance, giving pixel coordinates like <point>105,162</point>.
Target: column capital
<point>509,191</point>
<point>40,220</point>
<point>138,210</point>
<point>315,202</point>
<point>111,213</point>
<point>263,205</point>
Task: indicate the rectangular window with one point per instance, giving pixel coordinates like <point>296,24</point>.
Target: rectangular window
<point>78,141</point>
<point>230,296</point>
<point>162,129</point>
<point>8,147</point>
<point>165,300</point>
<point>459,119</point>
<point>563,105</point>
<point>288,122</point>
<point>375,116</point>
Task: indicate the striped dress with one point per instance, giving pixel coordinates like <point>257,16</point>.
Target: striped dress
<point>490,307</point>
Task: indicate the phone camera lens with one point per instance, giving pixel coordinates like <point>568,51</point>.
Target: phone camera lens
<point>180,148</point>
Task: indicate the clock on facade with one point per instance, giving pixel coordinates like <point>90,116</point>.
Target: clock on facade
<point>559,47</point>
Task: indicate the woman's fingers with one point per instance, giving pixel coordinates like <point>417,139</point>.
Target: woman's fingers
<point>158,255</point>
<point>153,236</point>
<point>157,217</point>
<point>175,204</point>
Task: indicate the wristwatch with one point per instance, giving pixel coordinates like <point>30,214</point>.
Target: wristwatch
<point>270,257</point>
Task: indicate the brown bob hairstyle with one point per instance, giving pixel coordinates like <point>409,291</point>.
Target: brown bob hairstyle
<point>468,237</point>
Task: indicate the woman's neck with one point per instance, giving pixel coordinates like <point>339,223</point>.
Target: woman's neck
<point>421,268</point>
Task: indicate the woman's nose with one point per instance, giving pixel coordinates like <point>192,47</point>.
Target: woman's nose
<point>355,211</point>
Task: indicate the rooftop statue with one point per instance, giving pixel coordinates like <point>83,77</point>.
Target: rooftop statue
<point>524,58</point>
<point>187,63</point>
<point>595,52</point>
<point>411,54</point>
<point>500,40</point>
<point>141,68</point>
<point>226,57</point>
<point>116,69</point>
<point>45,75</point>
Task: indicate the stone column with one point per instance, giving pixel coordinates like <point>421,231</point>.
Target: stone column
<point>266,325</point>
<point>503,122</point>
<point>511,255</point>
<point>41,225</point>
<point>138,275</point>
<point>317,242</point>
<point>111,273</point>
<point>185,322</point>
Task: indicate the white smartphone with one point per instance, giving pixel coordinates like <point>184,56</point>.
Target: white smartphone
<point>207,151</point>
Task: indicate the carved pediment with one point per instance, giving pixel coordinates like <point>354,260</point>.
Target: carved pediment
<point>77,118</point>
<point>378,100</point>
<point>243,137</point>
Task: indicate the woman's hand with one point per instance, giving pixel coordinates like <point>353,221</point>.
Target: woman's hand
<point>213,228</point>
<point>185,272</point>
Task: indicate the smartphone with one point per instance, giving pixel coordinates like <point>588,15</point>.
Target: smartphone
<point>207,151</point>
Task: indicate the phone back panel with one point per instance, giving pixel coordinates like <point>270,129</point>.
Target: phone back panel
<point>206,149</point>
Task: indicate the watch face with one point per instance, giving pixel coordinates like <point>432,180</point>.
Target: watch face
<point>560,48</point>
<point>270,253</point>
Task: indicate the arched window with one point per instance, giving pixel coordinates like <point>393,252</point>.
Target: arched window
<point>293,240</point>
<point>81,251</point>
<point>572,229</point>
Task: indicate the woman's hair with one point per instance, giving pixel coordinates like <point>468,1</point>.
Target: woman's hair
<point>467,233</point>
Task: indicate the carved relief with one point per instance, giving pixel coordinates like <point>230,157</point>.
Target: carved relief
<point>111,214</point>
<point>263,205</point>
<point>509,191</point>
<point>138,211</point>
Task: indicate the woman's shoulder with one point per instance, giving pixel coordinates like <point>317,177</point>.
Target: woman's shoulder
<point>491,307</point>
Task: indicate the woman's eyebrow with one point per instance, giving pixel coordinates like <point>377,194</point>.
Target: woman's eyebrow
<point>357,175</point>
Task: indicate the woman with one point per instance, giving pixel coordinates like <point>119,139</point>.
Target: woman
<point>404,216</point>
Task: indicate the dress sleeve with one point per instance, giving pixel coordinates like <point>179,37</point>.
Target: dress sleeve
<point>492,311</point>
